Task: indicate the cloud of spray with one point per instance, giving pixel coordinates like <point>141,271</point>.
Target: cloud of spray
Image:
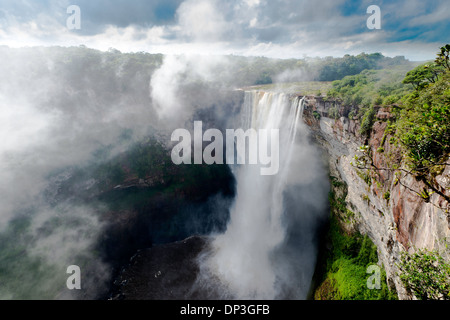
<point>296,75</point>
<point>58,108</point>
<point>270,247</point>
<point>165,85</point>
<point>187,84</point>
<point>54,115</point>
<point>256,257</point>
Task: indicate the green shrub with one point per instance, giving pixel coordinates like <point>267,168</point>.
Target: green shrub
<point>365,177</point>
<point>425,274</point>
<point>378,101</point>
<point>346,268</point>
<point>367,122</point>
<point>424,125</point>
<point>352,114</point>
<point>389,100</point>
<point>333,113</point>
<point>316,115</point>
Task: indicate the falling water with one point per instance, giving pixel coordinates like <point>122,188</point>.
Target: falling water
<point>243,256</point>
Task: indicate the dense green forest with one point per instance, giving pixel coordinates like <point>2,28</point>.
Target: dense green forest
<point>241,70</point>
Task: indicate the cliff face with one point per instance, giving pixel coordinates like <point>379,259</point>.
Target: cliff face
<point>385,205</point>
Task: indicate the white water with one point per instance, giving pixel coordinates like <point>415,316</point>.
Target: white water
<point>243,257</point>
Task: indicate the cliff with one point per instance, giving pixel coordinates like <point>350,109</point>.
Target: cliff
<point>384,204</point>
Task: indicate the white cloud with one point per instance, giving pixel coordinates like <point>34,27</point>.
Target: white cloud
<point>441,14</point>
<point>252,3</point>
<point>201,20</point>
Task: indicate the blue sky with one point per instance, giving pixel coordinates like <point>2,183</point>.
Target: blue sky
<point>274,28</point>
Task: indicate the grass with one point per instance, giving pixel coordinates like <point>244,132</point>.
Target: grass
<point>342,272</point>
<point>345,275</point>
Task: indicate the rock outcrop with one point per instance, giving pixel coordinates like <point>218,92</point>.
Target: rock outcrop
<point>387,206</point>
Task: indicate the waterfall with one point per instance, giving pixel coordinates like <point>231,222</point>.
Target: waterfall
<point>243,257</point>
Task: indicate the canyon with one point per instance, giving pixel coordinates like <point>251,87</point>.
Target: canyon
<point>95,185</point>
<point>390,212</point>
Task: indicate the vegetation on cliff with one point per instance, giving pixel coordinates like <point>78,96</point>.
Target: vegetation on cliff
<point>344,267</point>
<point>425,274</point>
<point>417,137</point>
<point>423,126</point>
<point>418,126</point>
<point>420,101</point>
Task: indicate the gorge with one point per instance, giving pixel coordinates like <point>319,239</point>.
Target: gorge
<point>269,248</point>
<point>89,180</point>
<point>394,224</point>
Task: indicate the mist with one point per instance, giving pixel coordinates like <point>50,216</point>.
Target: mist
<point>54,116</point>
<point>65,113</point>
<point>69,114</point>
<point>269,249</point>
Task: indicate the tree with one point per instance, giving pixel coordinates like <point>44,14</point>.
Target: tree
<point>426,274</point>
<point>423,74</point>
<point>443,57</point>
<point>423,128</point>
<point>367,121</point>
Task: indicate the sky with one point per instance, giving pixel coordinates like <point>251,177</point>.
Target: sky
<point>273,28</point>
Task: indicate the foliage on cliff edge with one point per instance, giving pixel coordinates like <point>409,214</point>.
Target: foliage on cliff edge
<point>346,268</point>
<point>344,265</point>
<point>425,274</point>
